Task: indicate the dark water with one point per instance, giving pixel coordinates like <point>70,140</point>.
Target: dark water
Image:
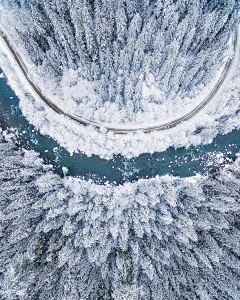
<point>178,162</point>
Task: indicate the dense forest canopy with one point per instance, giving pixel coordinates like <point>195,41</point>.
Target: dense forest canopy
<point>124,46</point>
<point>165,238</point>
<point>161,238</point>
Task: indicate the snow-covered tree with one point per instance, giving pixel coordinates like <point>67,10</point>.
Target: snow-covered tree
<point>182,43</point>
<point>162,238</point>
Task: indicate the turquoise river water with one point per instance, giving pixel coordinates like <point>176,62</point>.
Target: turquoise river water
<point>178,162</point>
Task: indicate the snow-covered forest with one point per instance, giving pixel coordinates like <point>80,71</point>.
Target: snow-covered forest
<point>125,60</point>
<point>119,61</point>
<point>164,238</point>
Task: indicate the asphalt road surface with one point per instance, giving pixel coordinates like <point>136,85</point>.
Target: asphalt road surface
<point>124,129</point>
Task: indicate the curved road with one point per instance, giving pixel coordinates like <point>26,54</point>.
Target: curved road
<point>119,129</point>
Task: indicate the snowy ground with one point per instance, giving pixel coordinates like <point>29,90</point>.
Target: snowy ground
<point>220,116</point>
<point>160,238</point>
<point>158,111</point>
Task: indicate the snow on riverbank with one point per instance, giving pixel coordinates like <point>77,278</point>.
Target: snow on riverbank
<point>58,231</point>
<point>218,117</point>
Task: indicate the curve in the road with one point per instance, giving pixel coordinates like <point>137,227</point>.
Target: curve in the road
<point>119,129</point>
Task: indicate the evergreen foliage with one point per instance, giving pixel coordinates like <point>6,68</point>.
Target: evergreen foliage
<point>121,44</point>
<point>166,238</point>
